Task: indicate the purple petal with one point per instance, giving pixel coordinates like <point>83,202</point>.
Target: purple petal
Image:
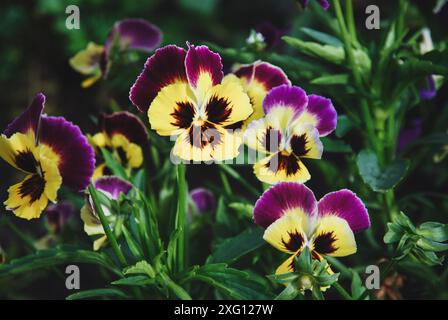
<point>271,34</point>
<point>430,91</point>
<point>57,215</point>
<point>114,186</point>
<point>77,158</point>
<point>324,4</point>
<point>324,112</point>
<point>287,97</point>
<point>29,119</point>
<point>164,67</point>
<point>203,199</point>
<point>409,133</point>
<point>200,60</point>
<point>136,34</point>
<point>126,124</point>
<point>280,198</point>
<point>346,205</point>
<point>268,75</point>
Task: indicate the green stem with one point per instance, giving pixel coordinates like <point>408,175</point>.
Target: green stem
<point>342,291</point>
<point>110,235</point>
<point>29,242</point>
<point>225,183</point>
<point>180,222</point>
<point>234,174</point>
<point>175,288</point>
<point>351,21</point>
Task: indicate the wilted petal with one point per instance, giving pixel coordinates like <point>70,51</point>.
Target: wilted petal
<point>75,157</point>
<point>164,67</point>
<point>283,198</point>
<point>345,205</point>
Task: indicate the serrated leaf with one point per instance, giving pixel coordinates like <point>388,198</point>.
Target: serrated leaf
<point>141,267</point>
<point>289,293</point>
<point>434,231</point>
<point>380,180</point>
<point>233,248</point>
<point>134,281</point>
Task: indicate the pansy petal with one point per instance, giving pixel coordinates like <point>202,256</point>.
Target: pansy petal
<point>333,237</point>
<point>258,78</point>
<point>19,151</point>
<point>204,69</point>
<point>283,198</point>
<point>227,103</point>
<point>113,186</point>
<point>281,167</point>
<point>193,144</point>
<point>172,110</point>
<point>284,104</point>
<point>203,199</point>
<point>287,233</point>
<point>70,150</point>
<point>287,266</point>
<point>126,124</point>
<point>87,61</point>
<point>136,34</point>
<point>346,205</point>
<point>262,137</point>
<point>164,67</point>
<point>29,119</point>
<point>305,143</point>
<point>320,113</point>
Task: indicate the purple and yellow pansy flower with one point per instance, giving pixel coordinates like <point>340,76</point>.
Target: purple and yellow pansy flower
<point>122,134</point>
<point>258,79</point>
<point>289,132</point>
<point>51,152</point>
<point>111,187</point>
<point>130,34</point>
<point>185,95</point>
<point>293,220</point>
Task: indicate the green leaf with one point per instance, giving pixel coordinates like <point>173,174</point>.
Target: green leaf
<point>134,281</point>
<point>357,288</point>
<point>322,37</point>
<point>51,257</point>
<point>303,263</point>
<point>335,146</point>
<point>329,53</point>
<point>337,79</point>
<point>380,180</point>
<point>116,168</point>
<point>96,293</point>
<point>393,234</point>
<point>344,126</point>
<point>430,245</point>
<point>234,283</point>
<point>233,248</point>
<point>433,231</point>
<point>289,293</point>
<point>243,209</point>
<point>141,267</point>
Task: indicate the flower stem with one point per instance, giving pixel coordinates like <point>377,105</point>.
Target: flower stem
<point>110,235</point>
<point>180,222</point>
<point>351,21</point>
<point>342,291</point>
<point>175,288</point>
